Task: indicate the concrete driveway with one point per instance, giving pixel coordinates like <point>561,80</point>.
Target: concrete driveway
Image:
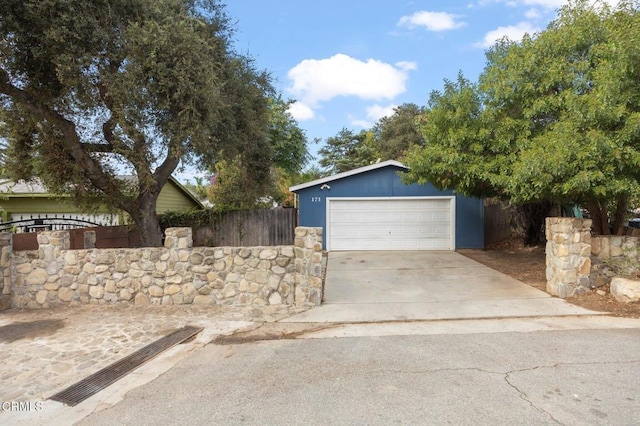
<point>373,286</point>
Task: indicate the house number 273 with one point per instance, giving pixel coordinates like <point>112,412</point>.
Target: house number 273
<point>315,199</point>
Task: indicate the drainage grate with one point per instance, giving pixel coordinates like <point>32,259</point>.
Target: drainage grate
<point>93,384</point>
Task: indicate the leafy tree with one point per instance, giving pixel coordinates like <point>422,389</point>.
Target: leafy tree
<point>236,186</point>
<point>397,133</point>
<point>309,174</point>
<point>554,118</point>
<point>458,152</point>
<point>286,180</point>
<point>348,150</point>
<point>91,88</point>
<point>287,138</point>
<point>199,188</point>
<point>235,189</point>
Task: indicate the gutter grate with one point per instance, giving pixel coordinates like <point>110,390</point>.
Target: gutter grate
<point>93,384</point>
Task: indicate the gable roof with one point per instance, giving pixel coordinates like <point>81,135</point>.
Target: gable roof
<point>186,191</point>
<point>348,173</point>
<point>35,189</point>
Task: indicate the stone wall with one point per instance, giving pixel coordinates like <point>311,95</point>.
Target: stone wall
<point>5,271</point>
<point>616,259</point>
<point>174,274</point>
<point>568,256</point>
<point>607,247</point>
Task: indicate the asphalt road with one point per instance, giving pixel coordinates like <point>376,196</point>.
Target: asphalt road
<point>569,377</point>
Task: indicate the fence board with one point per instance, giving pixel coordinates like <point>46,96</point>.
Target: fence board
<point>265,227</point>
<point>106,237</point>
<point>497,226</point>
<point>268,227</point>
<point>25,241</point>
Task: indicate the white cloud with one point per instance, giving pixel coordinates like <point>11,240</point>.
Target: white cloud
<point>360,123</point>
<point>432,21</point>
<point>545,4</point>
<point>407,66</point>
<point>318,80</point>
<point>532,13</point>
<point>300,111</point>
<point>513,32</point>
<point>374,113</point>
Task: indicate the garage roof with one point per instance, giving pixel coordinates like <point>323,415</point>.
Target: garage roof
<point>348,173</point>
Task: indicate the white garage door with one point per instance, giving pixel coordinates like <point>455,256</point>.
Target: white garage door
<point>390,224</point>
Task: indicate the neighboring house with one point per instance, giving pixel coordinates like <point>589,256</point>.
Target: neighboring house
<point>369,208</point>
<point>27,200</point>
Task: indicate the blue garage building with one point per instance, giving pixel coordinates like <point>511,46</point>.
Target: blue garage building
<point>369,208</point>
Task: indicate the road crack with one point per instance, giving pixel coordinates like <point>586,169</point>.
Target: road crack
<point>523,395</point>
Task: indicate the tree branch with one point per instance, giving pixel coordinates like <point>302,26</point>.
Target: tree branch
<point>97,147</point>
<point>108,128</point>
<point>164,170</point>
<point>70,139</point>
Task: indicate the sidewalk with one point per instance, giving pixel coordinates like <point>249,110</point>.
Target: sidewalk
<point>44,351</point>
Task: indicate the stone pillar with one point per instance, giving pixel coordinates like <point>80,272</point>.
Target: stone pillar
<point>51,243</point>
<point>568,255</point>
<point>308,261</point>
<point>178,238</point>
<point>89,239</point>
<point>6,247</point>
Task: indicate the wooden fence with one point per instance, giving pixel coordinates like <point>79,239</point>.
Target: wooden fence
<point>264,227</point>
<point>497,226</point>
<point>233,229</point>
<point>106,237</point>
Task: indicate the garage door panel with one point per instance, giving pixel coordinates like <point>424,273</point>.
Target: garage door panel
<point>419,224</point>
<point>374,217</point>
<point>392,231</point>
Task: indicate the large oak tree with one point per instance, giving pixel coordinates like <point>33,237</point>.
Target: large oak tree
<point>92,89</point>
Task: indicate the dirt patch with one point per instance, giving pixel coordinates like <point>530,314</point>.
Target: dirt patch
<point>29,330</point>
<point>271,331</point>
<point>527,264</point>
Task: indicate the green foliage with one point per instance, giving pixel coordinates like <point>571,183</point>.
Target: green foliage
<point>86,86</point>
<point>348,150</point>
<point>286,180</point>
<point>397,133</point>
<point>389,139</point>
<point>624,266</point>
<point>193,219</point>
<point>283,157</point>
<point>235,188</point>
<point>555,117</point>
<point>199,189</point>
<point>287,138</point>
<point>456,153</point>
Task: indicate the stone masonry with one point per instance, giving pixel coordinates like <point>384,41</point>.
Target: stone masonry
<point>608,246</point>
<point>621,250</point>
<point>171,275</point>
<point>5,271</point>
<point>568,256</point>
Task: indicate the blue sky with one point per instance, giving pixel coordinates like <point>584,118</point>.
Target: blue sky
<point>349,62</point>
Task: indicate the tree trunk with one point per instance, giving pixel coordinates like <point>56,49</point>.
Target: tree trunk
<point>620,216</point>
<point>599,217</point>
<point>147,222</point>
<point>533,216</point>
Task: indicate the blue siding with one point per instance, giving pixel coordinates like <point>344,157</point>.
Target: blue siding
<point>385,182</point>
